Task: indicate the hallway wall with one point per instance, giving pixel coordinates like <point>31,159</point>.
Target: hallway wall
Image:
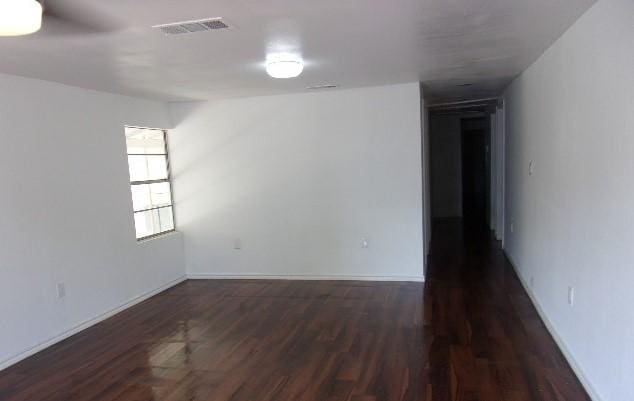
<point>425,156</point>
<point>572,220</point>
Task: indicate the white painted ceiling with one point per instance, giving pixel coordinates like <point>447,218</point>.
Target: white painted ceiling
<point>353,43</point>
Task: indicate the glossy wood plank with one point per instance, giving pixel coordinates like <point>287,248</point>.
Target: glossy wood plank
<point>469,334</point>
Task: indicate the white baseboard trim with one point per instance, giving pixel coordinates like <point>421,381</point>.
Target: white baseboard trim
<point>553,332</point>
<point>299,277</point>
<point>86,324</point>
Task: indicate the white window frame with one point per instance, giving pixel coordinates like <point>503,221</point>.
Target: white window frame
<point>168,179</point>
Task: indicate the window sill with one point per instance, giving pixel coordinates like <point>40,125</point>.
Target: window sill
<point>157,236</point>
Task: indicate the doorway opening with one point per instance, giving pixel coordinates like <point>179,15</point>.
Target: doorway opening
<point>476,170</point>
<point>464,176</point>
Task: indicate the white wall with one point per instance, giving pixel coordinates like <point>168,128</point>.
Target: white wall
<point>425,154</point>
<point>499,176</point>
<point>572,112</point>
<point>446,166</point>
<point>299,179</point>
<point>66,212</point>
<point>497,172</point>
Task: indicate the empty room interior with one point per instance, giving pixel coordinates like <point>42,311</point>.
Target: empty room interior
<point>334,200</point>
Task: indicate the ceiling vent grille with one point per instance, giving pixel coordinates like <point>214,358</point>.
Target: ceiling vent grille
<point>178,28</point>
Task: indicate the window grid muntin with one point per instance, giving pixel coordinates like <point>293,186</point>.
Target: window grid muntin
<point>149,183</point>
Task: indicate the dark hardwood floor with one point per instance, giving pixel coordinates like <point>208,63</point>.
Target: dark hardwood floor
<point>470,333</point>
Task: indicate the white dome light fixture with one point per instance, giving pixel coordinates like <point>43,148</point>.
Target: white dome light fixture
<point>20,17</point>
<point>284,66</point>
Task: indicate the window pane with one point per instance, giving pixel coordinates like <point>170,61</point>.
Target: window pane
<point>167,218</point>
<point>161,194</point>
<point>143,168</point>
<point>147,196</point>
<point>146,223</point>
<point>141,197</point>
<point>145,141</point>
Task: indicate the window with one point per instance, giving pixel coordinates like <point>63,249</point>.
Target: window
<point>149,181</point>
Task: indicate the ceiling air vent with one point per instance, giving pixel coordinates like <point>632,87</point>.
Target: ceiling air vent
<point>177,28</point>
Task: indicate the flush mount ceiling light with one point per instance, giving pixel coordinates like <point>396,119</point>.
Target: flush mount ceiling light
<point>20,17</point>
<point>281,66</point>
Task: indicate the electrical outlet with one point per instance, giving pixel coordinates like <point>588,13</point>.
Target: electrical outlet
<point>237,244</point>
<point>61,290</point>
<point>512,226</point>
<point>364,242</point>
<point>571,296</point>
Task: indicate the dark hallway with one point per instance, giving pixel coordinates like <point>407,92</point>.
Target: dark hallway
<point>488,342</point>
<point>460,165</point>
<point>475,176</point>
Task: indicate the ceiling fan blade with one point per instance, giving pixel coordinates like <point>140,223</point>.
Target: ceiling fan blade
<point>53,26</point>
<point>79,16</point>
